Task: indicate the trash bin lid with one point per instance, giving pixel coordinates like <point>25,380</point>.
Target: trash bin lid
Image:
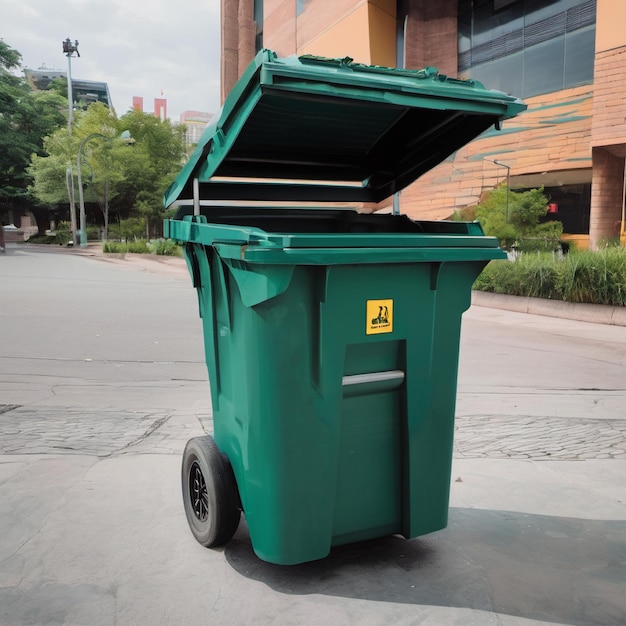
<point>330,130</point>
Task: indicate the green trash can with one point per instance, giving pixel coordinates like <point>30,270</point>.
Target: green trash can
<point>331,336</point>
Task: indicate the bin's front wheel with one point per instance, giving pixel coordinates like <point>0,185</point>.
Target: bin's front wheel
<point>209,492</point>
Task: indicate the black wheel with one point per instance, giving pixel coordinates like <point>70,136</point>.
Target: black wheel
<point>209,492</point>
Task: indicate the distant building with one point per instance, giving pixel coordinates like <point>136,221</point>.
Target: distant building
<point>160,108</point>
<point>196,122</point>
<point>84,92</point>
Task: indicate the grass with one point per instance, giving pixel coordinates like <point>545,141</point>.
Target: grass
<point>161,247</point>
<point>581,276</point>
<point>120,247</point>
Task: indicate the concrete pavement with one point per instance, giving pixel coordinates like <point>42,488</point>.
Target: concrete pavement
<point>102,381</point>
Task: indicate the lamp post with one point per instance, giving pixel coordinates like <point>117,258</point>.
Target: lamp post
<point>622,229</point>
<point>508,185</point>
<point>69,182</point>
<point>125,136</point>
<point>69,48</point>
<point>82,232</point>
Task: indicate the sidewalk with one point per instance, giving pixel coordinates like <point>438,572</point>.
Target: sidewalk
<point>102,380</point>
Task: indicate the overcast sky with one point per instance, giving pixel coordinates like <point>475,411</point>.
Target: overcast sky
<point>138,48</point>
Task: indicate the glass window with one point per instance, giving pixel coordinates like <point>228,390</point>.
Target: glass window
<point>544,67</point>
<point>489,24</point>
<point>537,10</point>
<point>579,55</point>
<point>464,26</point>
<point>258,20</point>
<point>505,74</point>
<point>573,203</point>
<point>527,47</point>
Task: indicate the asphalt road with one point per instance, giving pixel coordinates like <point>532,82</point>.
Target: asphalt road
<point>102,381</point>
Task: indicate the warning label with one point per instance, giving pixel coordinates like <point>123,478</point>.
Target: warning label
<point>379,317</point>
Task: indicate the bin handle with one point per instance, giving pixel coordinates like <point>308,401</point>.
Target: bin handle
<point>373,377</point>
<point>196,196</point>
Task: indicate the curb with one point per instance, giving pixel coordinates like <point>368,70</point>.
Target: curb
<point>593,313</point>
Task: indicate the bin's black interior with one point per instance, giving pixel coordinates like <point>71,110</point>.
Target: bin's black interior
<point>290,220</point>
<point>381,146</point>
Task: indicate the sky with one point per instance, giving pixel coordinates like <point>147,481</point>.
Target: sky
<point>168,47</point>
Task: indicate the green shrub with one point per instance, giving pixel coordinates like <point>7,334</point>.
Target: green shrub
<point>125,230</point>
<point>595,277</point>
<point>609,242</point>
<point>118,247</point>
<point>114,247</point>
<point>93,233</point>
<point>544,237</point>
<point>165,247</point>
<point>138,247</point>
<point>529,275</point>
<point>42,239</point>
<point>515,218</point>
<point>466,214</point>
<point>63,233</point>
<point>581,276</point>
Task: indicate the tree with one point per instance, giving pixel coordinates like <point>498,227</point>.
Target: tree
<point>25,119</point>
<point>157,156</point>
<point>527,208</point>
<point>514,217</point>
<point>491,213</point>
<point>96,131</point>
<point>118,178</point>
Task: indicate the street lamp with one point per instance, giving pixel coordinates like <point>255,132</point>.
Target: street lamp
<point>82,232</point>
<point>508,185</point>
<point>126,137</point>
<point>69,48</point>
<point>69,182</point>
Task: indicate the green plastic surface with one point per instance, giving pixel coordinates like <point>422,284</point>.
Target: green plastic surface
<point>332,337</point>
<point>319,462</point>
<point>291,125</point>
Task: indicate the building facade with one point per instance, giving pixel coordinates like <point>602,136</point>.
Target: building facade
<point>195,122</point>
<point>565,58</point>
<point>84,92</point>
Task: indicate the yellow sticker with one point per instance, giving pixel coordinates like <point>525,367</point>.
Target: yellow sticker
<point>379,317</point>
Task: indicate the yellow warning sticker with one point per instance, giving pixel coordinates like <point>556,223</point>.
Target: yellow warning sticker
<point>379,317</point>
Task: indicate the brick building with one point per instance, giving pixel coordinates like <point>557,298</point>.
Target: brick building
<point>565,58</point>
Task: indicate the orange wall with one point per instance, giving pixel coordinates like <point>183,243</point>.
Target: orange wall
<point>610,21</point>
<point>609,99</point>
<point>382,33</point>
<point>551,136</point>
<point>365,31</point>
<point>279,26</point>
<point>347,37</point>
<point>320,16</point>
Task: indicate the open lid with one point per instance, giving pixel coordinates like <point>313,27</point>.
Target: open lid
<point>330,130</point>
